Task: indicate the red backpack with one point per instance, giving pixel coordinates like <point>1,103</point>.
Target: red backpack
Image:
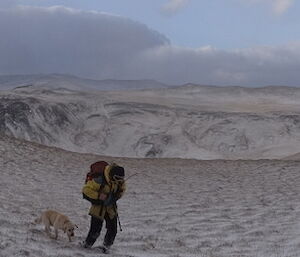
<point>96,170</point>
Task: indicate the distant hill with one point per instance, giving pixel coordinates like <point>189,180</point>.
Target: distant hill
<point>54,81</point>
<point>190,121</point>
<point>293,157</point>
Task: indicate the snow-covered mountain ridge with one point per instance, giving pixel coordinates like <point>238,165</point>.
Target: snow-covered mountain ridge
<point>56,81</point>
<point>201,122</point>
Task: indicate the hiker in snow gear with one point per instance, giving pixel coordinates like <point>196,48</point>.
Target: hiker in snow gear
<point>103,191</point>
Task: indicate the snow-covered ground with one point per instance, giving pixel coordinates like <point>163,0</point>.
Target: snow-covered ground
<point>173,207</point>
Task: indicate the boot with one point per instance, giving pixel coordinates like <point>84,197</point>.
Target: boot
<point>106,249</point>
<point>84,244</point>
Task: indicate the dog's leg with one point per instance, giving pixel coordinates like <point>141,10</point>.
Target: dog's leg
<point>48,230</point>
<point>56,233</point>
<point>47,224</point>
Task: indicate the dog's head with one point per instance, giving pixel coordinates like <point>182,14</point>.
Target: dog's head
<point>69,229</point>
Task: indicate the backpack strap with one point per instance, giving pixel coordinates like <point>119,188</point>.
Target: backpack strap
<point>102,185</point>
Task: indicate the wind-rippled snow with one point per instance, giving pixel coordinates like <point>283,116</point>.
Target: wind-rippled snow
<point>173,207</point>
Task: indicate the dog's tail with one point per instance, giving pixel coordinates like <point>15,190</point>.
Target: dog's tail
<point>38,220</point>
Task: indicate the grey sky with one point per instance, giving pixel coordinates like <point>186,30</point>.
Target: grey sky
<point>101,46</point>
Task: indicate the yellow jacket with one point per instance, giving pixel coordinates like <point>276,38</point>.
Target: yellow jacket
<point>113,190</point>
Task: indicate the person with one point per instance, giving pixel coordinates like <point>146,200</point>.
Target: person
<point>103,191</point>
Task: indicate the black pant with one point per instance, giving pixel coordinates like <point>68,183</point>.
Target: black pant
<point>95,229</point>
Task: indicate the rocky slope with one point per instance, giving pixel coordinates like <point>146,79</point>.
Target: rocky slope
<point>186,122</point>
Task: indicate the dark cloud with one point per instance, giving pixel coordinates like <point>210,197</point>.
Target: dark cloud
<point>57,39</point>
<point>97,45</point>
<point>250,67</point>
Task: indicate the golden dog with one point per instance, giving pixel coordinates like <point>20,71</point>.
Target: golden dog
<point>58,221</point>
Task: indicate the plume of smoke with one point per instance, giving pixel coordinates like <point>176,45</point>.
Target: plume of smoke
<point>280,6</point>
<point>173,6</point>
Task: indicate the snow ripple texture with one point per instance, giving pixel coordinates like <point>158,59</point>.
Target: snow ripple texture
<point>173,207</point>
